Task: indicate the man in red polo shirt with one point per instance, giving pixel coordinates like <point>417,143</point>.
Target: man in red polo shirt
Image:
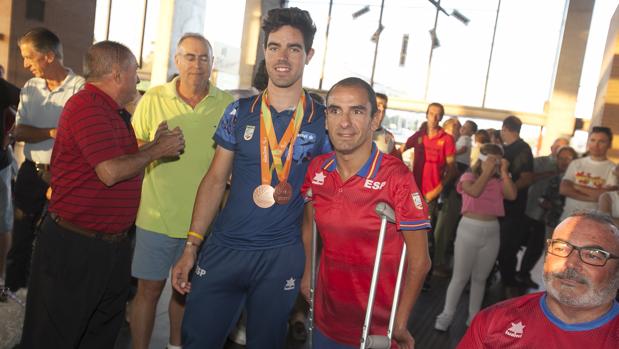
<point>81,264</point>
<point>434,164</point>
<point>342,189</point>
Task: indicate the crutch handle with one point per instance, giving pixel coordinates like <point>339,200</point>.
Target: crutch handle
<point>384,210</point>
<point>378,342</point>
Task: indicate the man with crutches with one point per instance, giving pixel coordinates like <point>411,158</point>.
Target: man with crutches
<point>342,190</point>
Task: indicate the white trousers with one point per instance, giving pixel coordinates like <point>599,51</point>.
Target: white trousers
<point>476,249</point>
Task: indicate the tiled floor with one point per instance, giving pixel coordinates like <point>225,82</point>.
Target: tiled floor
<point>421,324</point>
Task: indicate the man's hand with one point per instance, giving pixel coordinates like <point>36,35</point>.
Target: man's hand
<point>434,193</point>
<point>180,272</point>
<point>168,143</point>
<point>161,129</point>
<point>404,338</point>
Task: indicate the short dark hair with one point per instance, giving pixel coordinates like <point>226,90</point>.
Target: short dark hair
<point>569,149</point>
<point>473,125</point>
<point>435,104</point>
<point>605,130</point>
<point>512,123</point>
<point>102,57</point>
<point>294,17</point>
<point>261,78</point>
<point>483,136</point>
<point>356,82</point>
<point>42,40</point>
<point>497,134</point>
<point>382,96</point>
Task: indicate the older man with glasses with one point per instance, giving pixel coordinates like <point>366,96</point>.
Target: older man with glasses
<point>578,310</point>
<point>189,102</point>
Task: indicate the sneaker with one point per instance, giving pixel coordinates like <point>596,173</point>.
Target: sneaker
<point>239,335</point>
<point>299,332</point>
<point>443,321</point>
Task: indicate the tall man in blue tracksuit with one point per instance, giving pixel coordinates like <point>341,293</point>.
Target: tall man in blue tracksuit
<point>254,257</point>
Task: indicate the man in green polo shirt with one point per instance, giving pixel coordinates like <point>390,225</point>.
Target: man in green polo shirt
<point>190,103</point>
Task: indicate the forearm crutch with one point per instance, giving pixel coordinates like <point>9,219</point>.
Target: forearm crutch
<point>386,214</point>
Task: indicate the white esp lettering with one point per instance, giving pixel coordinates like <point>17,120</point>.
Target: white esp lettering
<point>370,184</point>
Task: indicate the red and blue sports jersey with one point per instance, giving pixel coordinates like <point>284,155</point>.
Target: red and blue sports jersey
<point>348,225</point>
<point>430,157</point>
<point>526,322</point>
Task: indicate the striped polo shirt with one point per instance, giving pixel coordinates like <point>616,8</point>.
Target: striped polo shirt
<point>93,128</point>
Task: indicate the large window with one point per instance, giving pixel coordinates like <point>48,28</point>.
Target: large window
<point>135,23</point>
<point>132,23</point>
<point>525,54</point>
<point>594,55</point>
<point>225,33</point>
<point>463,66</point>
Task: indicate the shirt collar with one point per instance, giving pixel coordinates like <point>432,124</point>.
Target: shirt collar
<point>309,106</point>
<point>440,133</point>
<point>583,326</point>
<point>172,92</point>
<point>369,169</point>
<point>61,87</point>
<point>108,100</point>
<point>70,75</point>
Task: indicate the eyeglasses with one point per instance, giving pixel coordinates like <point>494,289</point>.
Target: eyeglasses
<point>589,255</point>
<point>190,57</point>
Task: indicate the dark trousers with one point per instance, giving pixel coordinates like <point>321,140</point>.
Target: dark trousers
<point>265,282</point>
<point>433,210</point>
<point>534,236</point>
<point>511,238</point>
<point>29,202</point>
<point>77,291</point>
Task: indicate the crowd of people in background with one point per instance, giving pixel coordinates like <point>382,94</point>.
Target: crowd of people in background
<point>218,193</point>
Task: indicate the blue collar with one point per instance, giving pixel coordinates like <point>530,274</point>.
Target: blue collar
<point>309,110</point>
<point>583,326</point>
<point>369,170</point>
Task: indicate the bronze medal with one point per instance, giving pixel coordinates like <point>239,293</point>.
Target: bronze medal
<point>282,193</point>
<point>263,196</point>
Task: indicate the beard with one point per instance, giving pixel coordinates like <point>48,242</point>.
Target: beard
<point>593,297</point>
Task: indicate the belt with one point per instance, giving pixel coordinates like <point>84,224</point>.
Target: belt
<point>87,232</point>
<point>39,166</point>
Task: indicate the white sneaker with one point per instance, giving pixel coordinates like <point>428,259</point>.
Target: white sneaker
<point>239,335</point>
<point>443,321</point>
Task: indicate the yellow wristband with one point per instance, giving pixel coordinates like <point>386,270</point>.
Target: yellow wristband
<point>195,235</point>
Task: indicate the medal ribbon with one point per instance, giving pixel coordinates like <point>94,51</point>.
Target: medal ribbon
<point>268,141</point>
